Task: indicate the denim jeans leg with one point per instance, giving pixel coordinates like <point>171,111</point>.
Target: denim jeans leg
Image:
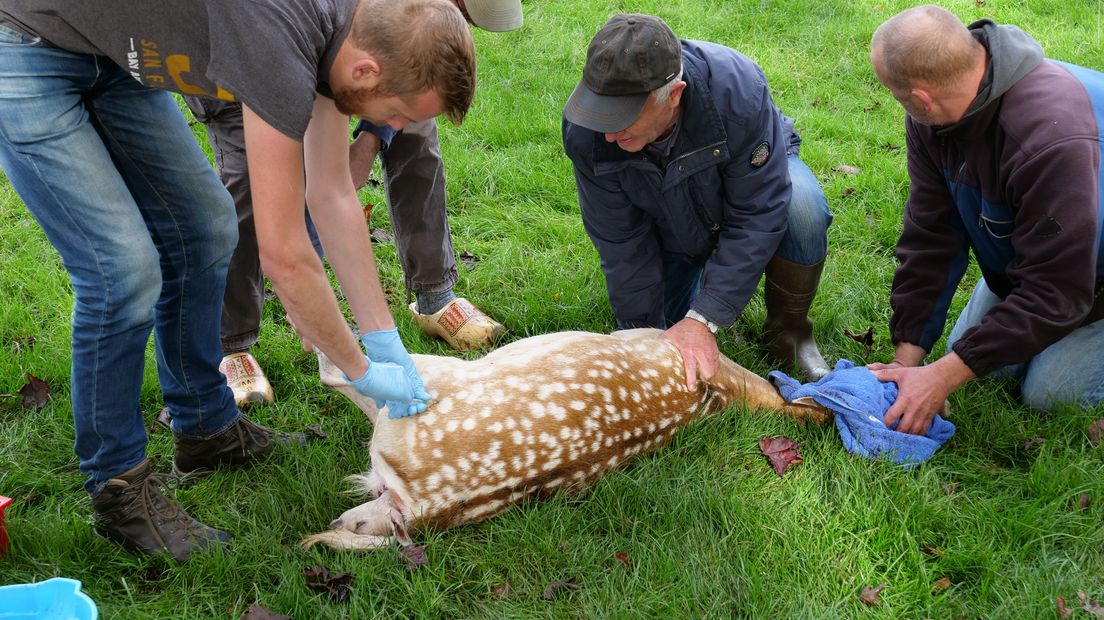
<point>63,117</point>
<point>681,283</point>
<point>981,301</point>
<point>191,219</point>
<point>806,238</point>
<point>1068,372</point>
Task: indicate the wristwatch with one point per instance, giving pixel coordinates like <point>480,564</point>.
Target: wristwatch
<point>697,316</point>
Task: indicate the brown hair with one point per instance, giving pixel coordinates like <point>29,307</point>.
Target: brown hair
<point>925,44</point>
<point>421,45</point>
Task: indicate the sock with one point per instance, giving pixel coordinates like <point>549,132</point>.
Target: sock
<point>429,302</point>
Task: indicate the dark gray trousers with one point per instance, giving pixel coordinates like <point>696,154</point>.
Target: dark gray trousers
<point>414,181</point>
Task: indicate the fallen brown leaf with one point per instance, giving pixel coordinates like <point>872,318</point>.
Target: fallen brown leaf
<point>1033,443</point>
<point>555,587</point>
<point>932,552</point>
<point>335,586</point>
<point>257,612</point>
<point>35,393</point>
<point>847,192</point>
<point>1083,501</point>
<point>1096,431</point>
<point>950,488</point>
<point>468,259</point>
<point>415,557</point>
<point>564,545</point>
<point>941,584</point>
<point>870,595</point>
<point>1063,611</point>
<point>1090,605</point>
<point>623,558</point>
<point>781,451</point>
<point>503,590</point>
<point>380,235</point>
<point>866,339</point>
<point>890,148</point>
<point>317,431</point>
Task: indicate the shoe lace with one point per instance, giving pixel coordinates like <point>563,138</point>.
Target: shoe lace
<point>153,496</point>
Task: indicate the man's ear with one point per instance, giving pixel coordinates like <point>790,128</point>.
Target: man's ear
<point>923,97</point>
<point>676,93</point>
<point>365,71</point>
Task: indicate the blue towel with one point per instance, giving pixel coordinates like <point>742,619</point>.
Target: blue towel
<point>860,403</point>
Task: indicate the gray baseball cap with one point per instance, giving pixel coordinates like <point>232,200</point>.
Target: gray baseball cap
<point>495,15</point>
<point>631,56</point>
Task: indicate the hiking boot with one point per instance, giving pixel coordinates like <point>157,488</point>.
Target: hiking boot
<point>133,511</point>
<point>461,324</point>
<point>246,380</point>
<point>245,441</point>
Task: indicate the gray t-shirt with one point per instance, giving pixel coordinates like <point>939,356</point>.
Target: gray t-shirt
<point>272,55</point>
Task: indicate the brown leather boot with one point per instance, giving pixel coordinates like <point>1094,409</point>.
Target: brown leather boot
<point>244,442</point>
<point>788,333</point>
<point>133,511</point>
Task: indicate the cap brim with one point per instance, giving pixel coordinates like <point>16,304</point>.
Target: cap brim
<point>602,113</point>
<point>495,15</point>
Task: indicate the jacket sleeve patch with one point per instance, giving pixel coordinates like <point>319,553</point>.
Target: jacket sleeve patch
<point>760,155</point>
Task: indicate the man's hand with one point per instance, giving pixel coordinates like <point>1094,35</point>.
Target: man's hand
<point>698,347</point>
<point>384,383</point>
<point>921,390</point>
<point>385,346</point>
<point>362,155</point>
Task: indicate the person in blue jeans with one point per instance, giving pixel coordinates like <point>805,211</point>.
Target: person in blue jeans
<point>1005,162</point>
<point>691,188</point>
<point>100,153</point>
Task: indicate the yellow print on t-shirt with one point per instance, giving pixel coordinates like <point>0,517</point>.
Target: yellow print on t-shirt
<point>149,67</point>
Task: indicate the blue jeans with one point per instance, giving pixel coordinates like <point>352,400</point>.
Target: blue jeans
<point>112,173</point>
<point>805,242</point>
<point>1070,371</point>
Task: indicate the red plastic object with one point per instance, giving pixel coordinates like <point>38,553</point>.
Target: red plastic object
<point>4,501</point>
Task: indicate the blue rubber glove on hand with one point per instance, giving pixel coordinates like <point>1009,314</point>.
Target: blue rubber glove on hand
<point>385,346</point>
<point>384,382</point>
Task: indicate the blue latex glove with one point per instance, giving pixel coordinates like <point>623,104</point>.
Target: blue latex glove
<point>383,382</point>
<point>385,346</point>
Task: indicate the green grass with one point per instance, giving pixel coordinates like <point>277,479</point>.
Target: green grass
<point>709,530</point>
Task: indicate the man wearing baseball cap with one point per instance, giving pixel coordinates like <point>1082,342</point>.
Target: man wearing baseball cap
<point>415,183</point>
<point>691,188</point>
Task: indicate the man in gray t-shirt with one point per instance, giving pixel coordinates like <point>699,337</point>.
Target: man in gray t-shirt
<point>102,157</point>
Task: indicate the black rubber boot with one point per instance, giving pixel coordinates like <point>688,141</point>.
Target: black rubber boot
<point>788,333</point>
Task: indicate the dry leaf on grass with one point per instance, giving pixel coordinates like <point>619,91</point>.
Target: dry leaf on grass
<point>335,586</point>
<point>258,612</point>
<point>555,587</point>
<point>1090,605</point>
<point>623,558</point>
<point>941,584</point>
<point>781,451</point>
<point>1096,431</point>
<point>1031,444</point>
<point>415,557</point>
<point>866,339</point>
<point>468,259</point>
<point>870,595</point>
<point>35,393</point>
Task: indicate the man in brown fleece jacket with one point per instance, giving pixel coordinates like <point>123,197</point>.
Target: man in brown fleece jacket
<point>1004,160</point>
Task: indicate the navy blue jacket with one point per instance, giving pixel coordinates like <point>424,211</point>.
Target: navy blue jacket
<point>710,206</point>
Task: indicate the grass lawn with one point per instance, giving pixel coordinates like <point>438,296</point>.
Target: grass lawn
<point>992,527</point>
